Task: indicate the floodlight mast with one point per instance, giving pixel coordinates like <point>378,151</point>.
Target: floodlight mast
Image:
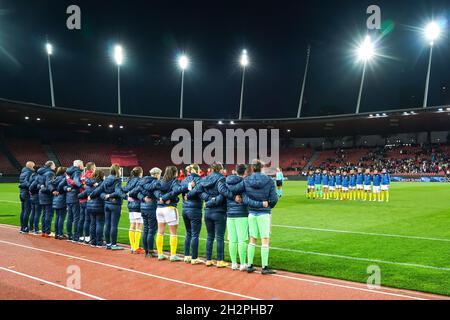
<point>366,52</point>
<point>300,104</point>
<point>118,57</point>
<point>244,63</point>
<point>183,63</point>
<point>49,49</point>
<point>432,32</point>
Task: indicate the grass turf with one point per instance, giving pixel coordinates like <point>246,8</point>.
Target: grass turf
<point>407,238</point>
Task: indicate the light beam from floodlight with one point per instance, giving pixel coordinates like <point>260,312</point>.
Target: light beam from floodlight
<point>244,61</point>
<point>183,63</point>
<point>49,49</point>
<point>118,57</point>
<point>366,52</point>
<point>432,32</point>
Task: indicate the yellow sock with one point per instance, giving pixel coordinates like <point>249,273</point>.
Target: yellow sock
<point>131,237</point>
<point>159,243</point>
<point>173,245</point>
<point>382,195</point>
<point>137,239</point>
<point>387,195</point>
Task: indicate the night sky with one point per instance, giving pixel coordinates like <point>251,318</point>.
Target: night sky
<point>213,33</point>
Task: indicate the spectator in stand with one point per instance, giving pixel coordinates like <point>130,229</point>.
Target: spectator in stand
<point>24,195</point>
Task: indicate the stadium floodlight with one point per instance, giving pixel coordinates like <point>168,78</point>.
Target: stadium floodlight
<point>244,61</point>
<point>118,58</point>
<point>183,63</point>
<point>432,32</point>
<point>220,122</point>
<point>49,50</point>
<point>232,122</point>
<point>365,52</point>
<point>302,92</point>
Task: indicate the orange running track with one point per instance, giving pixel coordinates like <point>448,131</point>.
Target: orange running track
<point>33,267</point>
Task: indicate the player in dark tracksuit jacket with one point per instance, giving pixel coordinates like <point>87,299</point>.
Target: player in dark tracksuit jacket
<point>192,215</point>
<point>56,187</point>
<point>259,188</point>
<point>237,216</point>
<point>134,209</point>
<point>167,192</point>
<point>215,213</point>
<point>45,174</point>
<point>95,207</point>
<point>113,195</point>
<point>72,188</point>
<point>24,195</point>
<point>145,193</point>
<point>36,209</point>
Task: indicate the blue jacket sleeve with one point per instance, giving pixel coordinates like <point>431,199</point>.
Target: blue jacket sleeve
<point>223,190</point>
<point>252,203</point>
<point>215,201</point>
<point>273,197</point>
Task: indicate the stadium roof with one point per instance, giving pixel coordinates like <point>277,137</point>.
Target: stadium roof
<point>15,113</point>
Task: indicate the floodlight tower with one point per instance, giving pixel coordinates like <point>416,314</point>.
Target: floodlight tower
<point>365,52</point>
<point>183,63</point>
<point>432,32</point>
<point>49,49</point>
<point>118,57</point>
<point>244,63</point>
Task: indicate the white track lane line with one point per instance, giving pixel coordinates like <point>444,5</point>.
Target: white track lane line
<point>213,289</point>
<point>132,271</point>
<point>375,234</point>
<point>384,288</point>
<point>328,255</point>
<point>361,233</point>
<point>51,283</point>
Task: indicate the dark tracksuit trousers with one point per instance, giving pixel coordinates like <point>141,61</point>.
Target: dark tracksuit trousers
<point>59,221</point>
<point>150,226</point>
<point>25,209</point>
<point>193,224</point>
<point>112,217</point>
<point>85,221</point>
<point>73,219</point>
<point>47,218</point>
<point>36,211</point>
<point>216,222</point>
<point>97,226</point>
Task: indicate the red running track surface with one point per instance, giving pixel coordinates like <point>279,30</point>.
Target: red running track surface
<point>33,267</point>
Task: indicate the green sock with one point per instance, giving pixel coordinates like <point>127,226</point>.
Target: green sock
<point>233,246</point>
<point>251,253</point>
<point>264,256</point>
<point>243,252</point>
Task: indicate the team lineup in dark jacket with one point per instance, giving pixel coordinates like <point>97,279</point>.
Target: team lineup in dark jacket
<point>86,207</point>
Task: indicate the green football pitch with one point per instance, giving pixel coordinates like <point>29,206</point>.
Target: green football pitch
<point>408,239</point>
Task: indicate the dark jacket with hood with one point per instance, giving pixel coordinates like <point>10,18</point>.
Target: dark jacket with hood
<point>230,188</point>
<point>209,192</point>
<point>146,188</point>
<point>134,205</point>
<point>94,191</point>
<point>193,204</point>
<point>112,186</point>
<point>75,175</point>
<point>57,184</point>
<point>45,174</point>
<point>24,179</point>
<point>259,187</point>
<point>169,190</point>
<point>34,190</point>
